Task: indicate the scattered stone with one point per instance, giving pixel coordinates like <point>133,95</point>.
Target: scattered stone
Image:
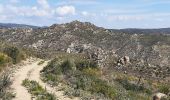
<point>159,96</point>
<point>124,61</point>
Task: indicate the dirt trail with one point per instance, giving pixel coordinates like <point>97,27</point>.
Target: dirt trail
<point>31,70</point>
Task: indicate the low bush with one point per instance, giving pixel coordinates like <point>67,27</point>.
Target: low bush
<point>52,67</point>
<point>41,62</point>
<point>134,95</point>
<point>92,84</point>
<point>68,66</point>
<point>64,66</point>
<point>4,60</point>
<point>133,86</point>
<point>92,72</point>
<point>5,82</point>
<point>16,54</point>
<point>51,72</point>
<point>78,75</point>
<point>81,75</point>
<point>38,91</point>
<point>83,78</point>
<point>164,88</point>
<point>83,64</point>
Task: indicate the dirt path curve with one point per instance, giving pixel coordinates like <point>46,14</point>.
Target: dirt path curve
<point>30,69</point>
<point>19,75</point>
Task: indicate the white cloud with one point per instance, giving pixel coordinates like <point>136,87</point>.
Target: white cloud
<point>127,17</point>
<point>79,2</point>
<point>43,3</point>
<point>88,14</point>
<point>40,12</point>
<point>1,9</point>
<point>138,17</point>
<point>25,11</point>
<point>3,17</point>
<point>14,1</point>
<point>66,10</point>
<point>85,13</point>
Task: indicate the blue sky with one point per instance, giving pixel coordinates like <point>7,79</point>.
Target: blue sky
<point>105,13</point>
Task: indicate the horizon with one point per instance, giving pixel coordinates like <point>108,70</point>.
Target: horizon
<point>117,14</point>
<point>89,22</point>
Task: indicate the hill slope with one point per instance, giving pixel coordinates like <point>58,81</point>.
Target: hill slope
<point>148,53</point>
<point>12,25</point>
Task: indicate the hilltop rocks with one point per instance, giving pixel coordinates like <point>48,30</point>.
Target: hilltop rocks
<point>124,60</point>
<point>94,53</point>
<point>78,48</point>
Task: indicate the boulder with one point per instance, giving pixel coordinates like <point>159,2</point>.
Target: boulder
<point>159,96</point>
<point>124,60</point>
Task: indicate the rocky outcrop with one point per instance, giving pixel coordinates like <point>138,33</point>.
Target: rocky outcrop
<point>124,61</point>
<point>94,53</point>
<point>78,48</point>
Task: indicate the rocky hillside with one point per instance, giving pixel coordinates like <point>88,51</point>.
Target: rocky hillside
<point>147,31</point>
<point>148,54</point>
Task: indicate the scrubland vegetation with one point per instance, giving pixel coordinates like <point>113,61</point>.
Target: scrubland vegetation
<point>5,82</point>
<point>91,68</point>
<point>83,78</point>
<point>8,55</point>
<point>37,91</point>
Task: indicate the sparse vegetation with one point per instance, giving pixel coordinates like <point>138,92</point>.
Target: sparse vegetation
<point>16,54</point>
<point>5,82</point>
<point>4,61</point>
<point>164,88</point>
<point>89,47</point>
<point>38,91</point>
<point>133,86</point>
<point>41,62</point>
<point>81,80</point>
<point>8,55</point>
<point>85,78</point>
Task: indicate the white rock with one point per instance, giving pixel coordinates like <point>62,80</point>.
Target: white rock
<point>158,96</point>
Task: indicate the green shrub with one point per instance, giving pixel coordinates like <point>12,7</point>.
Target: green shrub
<point>80,75</point>
<point>67,66</point>
<point>5,82</point>
<point>164,88</point>
<point>58,67</point>
<point>14,53</point>
<point>51,72</point>
<point>4,60</point>
<point>83,64</point>
<point>41,62</point>
<point>52,67</point>
<point>133,87</point>
<point>134,95</point>
<point>92,72</point>
<point>83,78</point>
<point>35,89</point>
<point>99,86</point>
<point>92,84</point>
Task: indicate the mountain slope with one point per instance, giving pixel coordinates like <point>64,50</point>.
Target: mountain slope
<point>148,53</point>
<point>12,25</point>
<point>148,31</point>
